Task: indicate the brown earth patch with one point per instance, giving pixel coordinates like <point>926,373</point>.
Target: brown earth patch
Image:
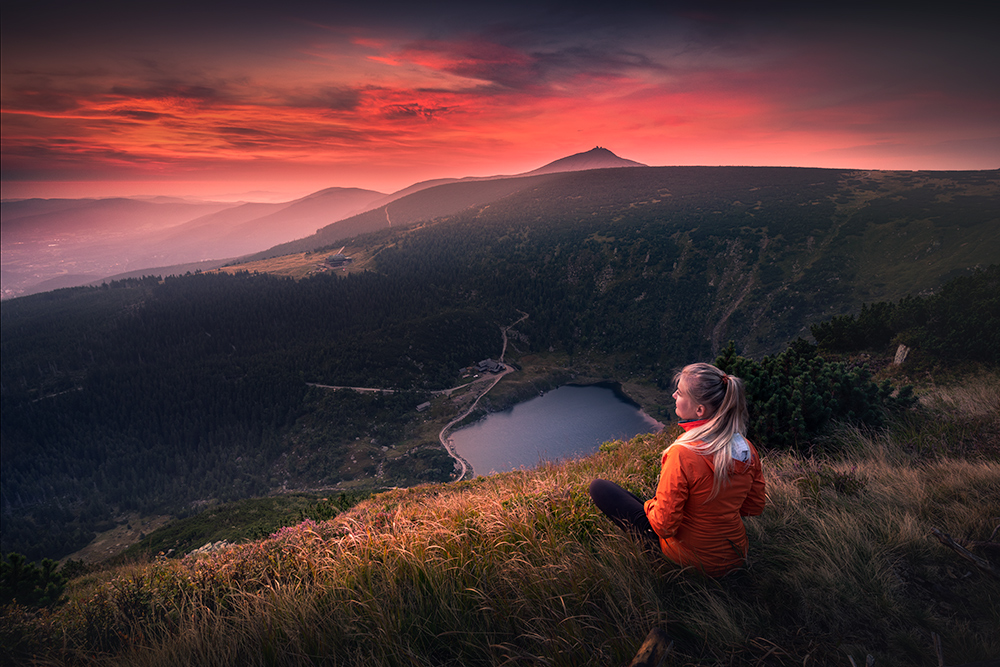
<point>130,529</point>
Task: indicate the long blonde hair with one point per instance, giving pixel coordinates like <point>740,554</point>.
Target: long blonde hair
<point>724,395</point>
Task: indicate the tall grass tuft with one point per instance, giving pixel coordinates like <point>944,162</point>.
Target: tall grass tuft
<point>966,419</point>
<point>521,569</point>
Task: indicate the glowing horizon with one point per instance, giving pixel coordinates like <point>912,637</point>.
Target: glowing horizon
<point>286,102</point>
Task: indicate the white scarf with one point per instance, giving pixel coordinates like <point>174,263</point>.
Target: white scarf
<point>740,448</point>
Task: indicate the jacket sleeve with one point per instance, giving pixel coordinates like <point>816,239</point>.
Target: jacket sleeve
<point>753,504</point>
<point>666,510</point>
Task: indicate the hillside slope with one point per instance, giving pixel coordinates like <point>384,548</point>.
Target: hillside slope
<point>425,204</point>
<point>756,254</point>
<point>775,237</point>
<point>444,197</point>
<point>252,227</point>
<point>522,568</point>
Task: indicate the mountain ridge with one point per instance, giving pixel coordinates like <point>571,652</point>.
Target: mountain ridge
<point>212,231</point>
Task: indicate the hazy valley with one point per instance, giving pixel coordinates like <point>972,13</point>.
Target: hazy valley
<point>48,244</point>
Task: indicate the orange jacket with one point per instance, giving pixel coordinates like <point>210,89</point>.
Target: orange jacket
<point>693,530</point>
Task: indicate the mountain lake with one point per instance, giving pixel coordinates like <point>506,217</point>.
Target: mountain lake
<point>567,422</point>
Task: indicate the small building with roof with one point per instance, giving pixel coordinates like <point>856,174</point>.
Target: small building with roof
<point>489,366</point>
<point>338,260</point>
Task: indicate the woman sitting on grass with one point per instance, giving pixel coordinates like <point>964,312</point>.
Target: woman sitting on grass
<point>710,477</point>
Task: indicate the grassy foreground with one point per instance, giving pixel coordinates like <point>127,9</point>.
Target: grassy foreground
<point>521,569</point>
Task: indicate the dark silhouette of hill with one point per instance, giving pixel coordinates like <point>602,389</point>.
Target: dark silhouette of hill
<point>595,158</point>
<point>441,197</point>
<point>19,208</point>
<point>425,204</point>
<point>218,227</point>
<point>416,187</point>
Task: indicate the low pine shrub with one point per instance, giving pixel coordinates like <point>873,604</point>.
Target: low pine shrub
<point>30,584</point>
<point>794,396</point>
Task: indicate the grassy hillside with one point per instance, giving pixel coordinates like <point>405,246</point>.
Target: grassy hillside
<point>520,568</point>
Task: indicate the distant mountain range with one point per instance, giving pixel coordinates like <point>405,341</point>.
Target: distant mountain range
<point>53,243</point>
<point>49,244</point>
<point>443,197</point>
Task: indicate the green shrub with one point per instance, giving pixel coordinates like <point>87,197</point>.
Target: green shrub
<point>793,396</point>
<point>327,508</point>
<point>30,584</point>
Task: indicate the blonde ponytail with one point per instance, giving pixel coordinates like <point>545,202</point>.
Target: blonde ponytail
<point>724,395</point>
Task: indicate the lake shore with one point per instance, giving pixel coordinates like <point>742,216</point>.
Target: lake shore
<point>570,421</point>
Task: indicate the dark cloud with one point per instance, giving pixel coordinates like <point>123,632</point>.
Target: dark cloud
<point>477,59</point>
<point>243,131</point>
<point>398,111</point>
<point>331,98</point>
<point>39,99</point>
<point>138,114</point>
<point>595,62</point>
<point>516,68</point>
<point>58,154</point>
<point>170,89</point>
<point>259,140</point>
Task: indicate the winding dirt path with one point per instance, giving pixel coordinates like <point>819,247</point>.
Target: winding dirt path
<point>446,441</point>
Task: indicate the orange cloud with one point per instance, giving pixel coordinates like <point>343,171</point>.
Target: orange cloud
<point>380,100</point>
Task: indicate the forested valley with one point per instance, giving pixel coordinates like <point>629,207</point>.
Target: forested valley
<point>158,395</point>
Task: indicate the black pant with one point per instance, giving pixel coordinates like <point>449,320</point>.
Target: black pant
<point>623,508</point>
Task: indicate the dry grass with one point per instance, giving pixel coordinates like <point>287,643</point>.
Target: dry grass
<point>966,419</point>
<point>975,397</point>
<point>301,264</point>
<point>520,568</point>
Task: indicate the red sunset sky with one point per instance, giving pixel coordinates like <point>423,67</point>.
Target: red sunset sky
<point>216,99</point>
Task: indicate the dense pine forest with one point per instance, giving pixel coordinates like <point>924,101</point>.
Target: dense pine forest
<point>196,388</point>
<point>157,395</point>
